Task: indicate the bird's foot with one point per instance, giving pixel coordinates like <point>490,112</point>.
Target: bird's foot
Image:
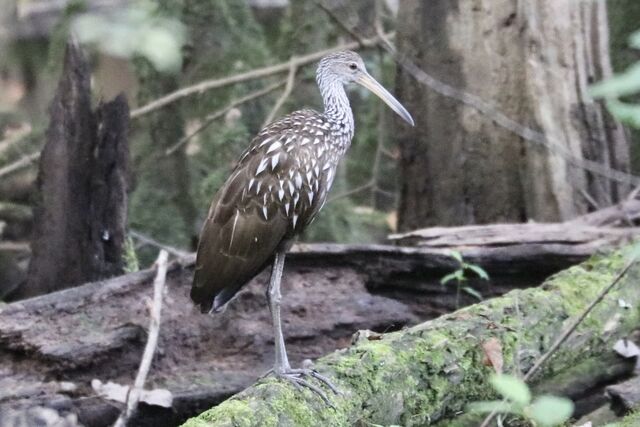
<point>299,378</point>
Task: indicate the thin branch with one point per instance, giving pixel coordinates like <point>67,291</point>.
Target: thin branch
<point>220,113</point>
<point>18,137</point>
<point>381,134</point>
<point>570,330</point>
<point>335,18</point>
<point>589,199</point>
<point>15,247</point>
<point>351,192</point>
<point>258,73</point>
<point>291,78</point>
<point>154,330</point>
<point>19,164</point>
<point>152,242</point>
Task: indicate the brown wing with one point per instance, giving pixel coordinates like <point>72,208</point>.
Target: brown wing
<point>273,193</point>
<point>236,243</point>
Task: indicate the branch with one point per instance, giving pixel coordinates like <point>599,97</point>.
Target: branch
<point>18,136</point>
<point>152,242</point>
<point>220,113</point>
<point>352,191</point>
<point>335,18</point>
<point>258,73</point>
<point>19,164</point>
<point>285,94</point>
<point>154,330</point>
<point>15,247</point>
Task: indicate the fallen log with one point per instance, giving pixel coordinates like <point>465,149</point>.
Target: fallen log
<point>429,372</point>
<point>589,232</point>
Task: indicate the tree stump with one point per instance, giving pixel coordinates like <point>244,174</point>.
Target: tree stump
<point>81,212</point>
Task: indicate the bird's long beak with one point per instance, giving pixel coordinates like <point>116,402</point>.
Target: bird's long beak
<point>370,83</point>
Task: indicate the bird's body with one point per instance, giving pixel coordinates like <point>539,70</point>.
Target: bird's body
<point>279,185</point>
<point>277,188</point>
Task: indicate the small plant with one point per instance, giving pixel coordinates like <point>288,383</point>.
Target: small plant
<point>543,411</point>
<point>459,275</point>
<point>622,86</point>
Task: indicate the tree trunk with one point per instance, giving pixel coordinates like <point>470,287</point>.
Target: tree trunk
<point>533,61</point>
<point>80,216</point>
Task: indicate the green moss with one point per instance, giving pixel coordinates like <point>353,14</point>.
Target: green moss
<point>232,412</point>
<point>631,420</point>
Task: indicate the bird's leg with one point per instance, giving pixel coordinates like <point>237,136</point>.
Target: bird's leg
<point>281,368</point>
<point>274,296</point>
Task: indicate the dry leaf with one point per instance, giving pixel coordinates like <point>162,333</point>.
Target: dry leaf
<point>118,393</point>
<point>626,348</point>
<point>623,304</point>
<point>493,354</point>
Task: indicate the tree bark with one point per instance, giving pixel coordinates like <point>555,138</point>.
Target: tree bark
<point>533,61</point>
<point>428,373</point>
<point>80,217</point>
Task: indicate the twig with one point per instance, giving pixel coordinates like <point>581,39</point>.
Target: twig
<point>589,199</point>
<point>334,17</point>
<point>17,137</point>
<point>258,73</point>
<point>19,164</point>
<point>567,333</point>
<point>220,113</point>
<point>154,329</point>
<point>291,78</point>
<point>15,247</point>
<point>352,191</point>
<point>152,242</point>
<point>377,159</point>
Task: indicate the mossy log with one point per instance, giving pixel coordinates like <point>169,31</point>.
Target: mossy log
<point>428,373</point>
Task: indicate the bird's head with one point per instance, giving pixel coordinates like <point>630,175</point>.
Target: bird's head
<point>348,67</point>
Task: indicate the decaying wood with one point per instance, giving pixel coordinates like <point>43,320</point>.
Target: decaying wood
<point>588,233</point>
<point>429,372</point>
<point>98,330</point>
<point>625,396</point>
<point>80,218</point>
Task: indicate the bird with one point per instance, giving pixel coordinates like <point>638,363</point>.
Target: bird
<point>276,189</point>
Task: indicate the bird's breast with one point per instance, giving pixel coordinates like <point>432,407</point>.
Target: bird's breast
<point>292,179</point>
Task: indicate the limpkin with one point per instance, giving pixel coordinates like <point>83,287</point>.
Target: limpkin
<point>278,186</point>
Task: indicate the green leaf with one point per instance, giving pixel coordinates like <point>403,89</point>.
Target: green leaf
<point>551,410</point>
<point>473,292</point>
<point>626,113</point>
<point>512,388</point>
<point>623,84</point>
<point>455,255</point>
<point>449,277</point>
<point>478,270</point>
<point>493,405</point>
<point>634,40</point>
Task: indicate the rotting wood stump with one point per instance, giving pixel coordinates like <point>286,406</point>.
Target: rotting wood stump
<point>429,372</point>
<point>81,212</point>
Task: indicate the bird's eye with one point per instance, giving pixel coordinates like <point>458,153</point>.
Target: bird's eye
<point>353,66</point>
